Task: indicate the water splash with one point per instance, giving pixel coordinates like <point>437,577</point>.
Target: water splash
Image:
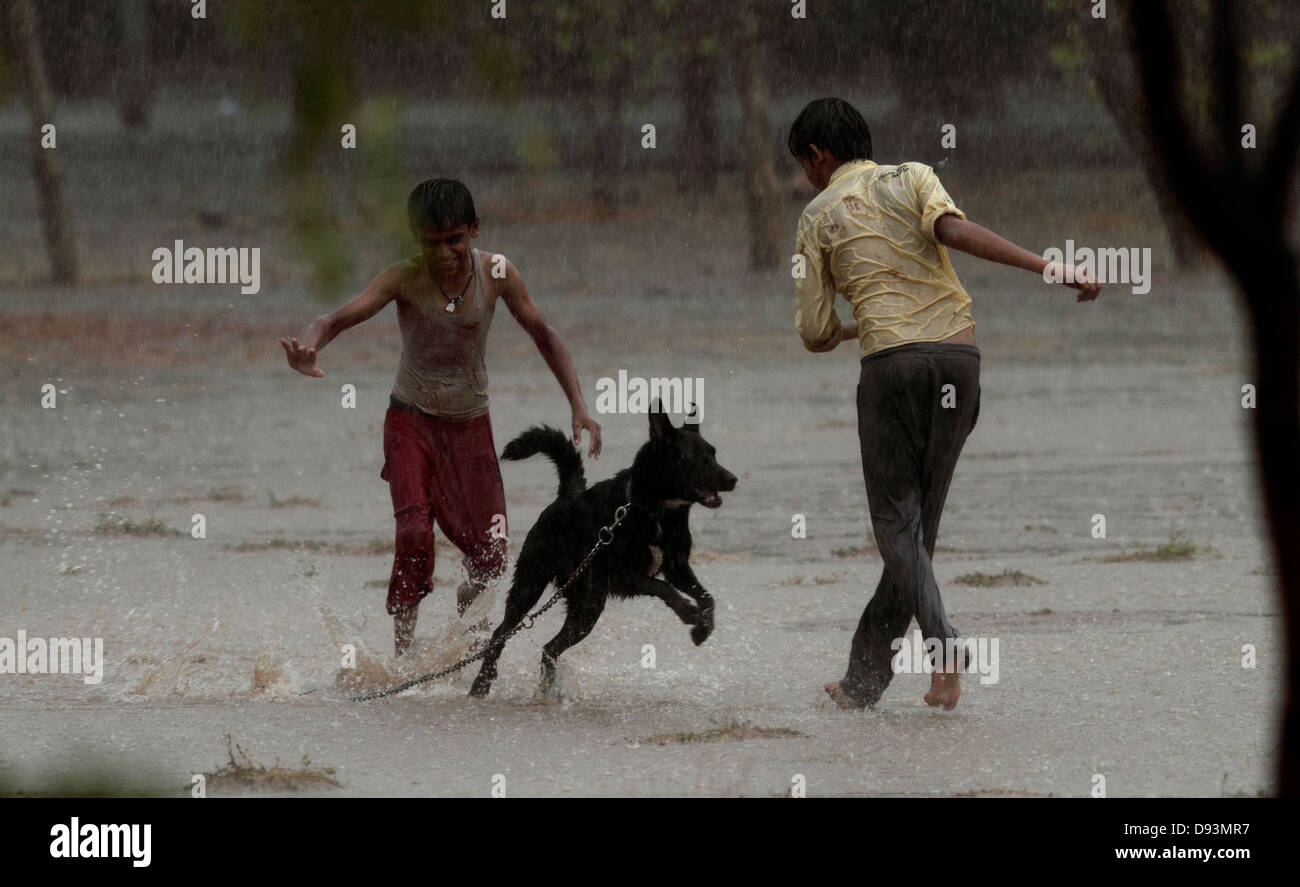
<point>374,670</point>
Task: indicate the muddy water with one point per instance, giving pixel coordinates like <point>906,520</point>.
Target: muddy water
<point>1128,669</point>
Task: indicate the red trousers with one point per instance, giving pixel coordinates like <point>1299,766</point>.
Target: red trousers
<point>443,471</point>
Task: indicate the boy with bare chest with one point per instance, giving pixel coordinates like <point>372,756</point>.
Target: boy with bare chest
<point>439,456</point>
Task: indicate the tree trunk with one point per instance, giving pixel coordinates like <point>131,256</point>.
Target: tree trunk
<point>1111,71</point>
<point>59,243</point>
<point>762,190</point>
<point>610,149</point>
<point>1272,294</point>
<point>1243,212</point>
<point>698,169</point>
<point>134,88</point>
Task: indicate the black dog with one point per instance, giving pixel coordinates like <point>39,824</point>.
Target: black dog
<point>673,470</point>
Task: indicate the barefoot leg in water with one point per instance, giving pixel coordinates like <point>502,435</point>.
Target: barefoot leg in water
<point>404,628</point>
<point>841,698</point>
<point>945,689</point>
<point>465,595</point>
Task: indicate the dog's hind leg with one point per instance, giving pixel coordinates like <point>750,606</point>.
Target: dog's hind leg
<point>578,623</point>
<point>521,599</point>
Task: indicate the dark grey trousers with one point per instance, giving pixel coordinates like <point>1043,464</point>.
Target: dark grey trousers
<point>911,430</point>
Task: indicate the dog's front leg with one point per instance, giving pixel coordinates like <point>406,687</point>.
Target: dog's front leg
<point>685,609</point>
<point>682,576</point>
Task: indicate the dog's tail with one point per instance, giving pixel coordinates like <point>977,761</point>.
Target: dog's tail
<point>555,445</point>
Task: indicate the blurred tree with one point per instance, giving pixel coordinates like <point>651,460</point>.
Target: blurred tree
<point>949,62</point>
<point>583,53</point>
<point>321,45</point>
<point>133,84</point>
<point>29,60</point>
<point>1242,202</point>
<point>1095,49</point>
<point>762,191</point>
<point>699,49</point>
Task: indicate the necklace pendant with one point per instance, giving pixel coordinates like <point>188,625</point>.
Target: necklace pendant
<point>451,307</point>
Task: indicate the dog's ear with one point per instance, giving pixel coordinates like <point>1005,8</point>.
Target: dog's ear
<point>693,419</point>
<point>660,426</point>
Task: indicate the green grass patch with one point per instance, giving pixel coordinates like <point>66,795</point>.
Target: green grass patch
<point>121,525</point>
<point>996,580</point>
<point>1180,547</point>
<point>853,551</point>
<point>293,501</point>
<point>85,772</point>
<point>12,493</point>
<point>373,547</point>
<point>1041,528</point>
<point>819,579</point>
<point>214,494</point>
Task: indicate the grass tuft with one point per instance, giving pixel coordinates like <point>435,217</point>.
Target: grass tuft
<point>242,772</point>
<point>994,580</point>
<point>735,731</point>
<point>214,494</point>
<point>819,579</point>
<point>373,547</point>
<point>121,525</point>
<point>293,501</point>
<point>1180,547</point>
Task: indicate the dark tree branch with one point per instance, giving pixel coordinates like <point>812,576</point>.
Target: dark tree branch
<point>1241,211</point>
<point>1279,168</point>
<point>1198,185</point>
<point>1227,72</point>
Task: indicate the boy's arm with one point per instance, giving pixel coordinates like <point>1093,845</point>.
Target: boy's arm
<point>815,319</point>
<point>302,356</point>
<point>552,349</point>
<point>959,234</point>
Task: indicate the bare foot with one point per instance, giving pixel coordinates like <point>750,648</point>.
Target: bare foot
<point>945,690</point>
<point>841,698</point>
<point>465,594</point>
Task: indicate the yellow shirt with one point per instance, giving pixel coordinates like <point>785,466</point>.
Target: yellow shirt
<point>870,236</point>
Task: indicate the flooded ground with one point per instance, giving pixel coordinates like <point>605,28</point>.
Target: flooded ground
<point>175,401</point>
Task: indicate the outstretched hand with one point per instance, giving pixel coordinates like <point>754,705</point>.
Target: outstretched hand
<point>582,419</point>
<point>302,359</point>
<point>1077,278</point>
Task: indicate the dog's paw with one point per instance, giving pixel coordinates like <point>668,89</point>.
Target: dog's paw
<point>548,692</point>
<point>479,689</point>
<point>703,625</point>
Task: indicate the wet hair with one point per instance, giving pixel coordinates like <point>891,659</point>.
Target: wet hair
<point>440,204</point>
<point>832,125</point>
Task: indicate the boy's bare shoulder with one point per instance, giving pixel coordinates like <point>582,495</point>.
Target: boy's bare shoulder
<point>405,270</point>
<point>492,261</point>
<point>398,278</point>
<point>496,270</point>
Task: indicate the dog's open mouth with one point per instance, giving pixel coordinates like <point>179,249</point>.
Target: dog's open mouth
<point>708,498</point>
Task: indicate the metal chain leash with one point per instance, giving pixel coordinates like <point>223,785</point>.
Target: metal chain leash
<point>603,538</point>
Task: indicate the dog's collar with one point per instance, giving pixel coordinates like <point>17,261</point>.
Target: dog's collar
<point>672,503</point>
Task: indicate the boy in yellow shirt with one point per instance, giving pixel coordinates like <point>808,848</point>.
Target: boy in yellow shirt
<point>877,235</point>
